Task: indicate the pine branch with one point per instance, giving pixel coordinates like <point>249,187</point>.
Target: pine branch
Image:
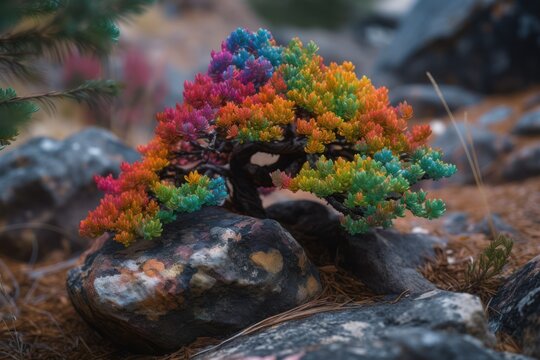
<point>87,26</point>
<point>94,93</point>
<point>13,115</point>
<point>15,111</point>
<point>11,12</point>
<point>13,68</point>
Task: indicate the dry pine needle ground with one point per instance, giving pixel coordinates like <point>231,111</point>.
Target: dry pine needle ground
<point>38,321</point>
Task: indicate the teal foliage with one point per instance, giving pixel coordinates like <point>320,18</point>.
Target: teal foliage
<point>377,190</point>
<point>190,197</point>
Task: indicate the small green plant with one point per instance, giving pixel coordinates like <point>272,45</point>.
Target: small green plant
<point>490,263</point>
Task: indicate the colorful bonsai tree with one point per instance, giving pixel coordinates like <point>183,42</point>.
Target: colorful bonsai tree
<point>337,136</point>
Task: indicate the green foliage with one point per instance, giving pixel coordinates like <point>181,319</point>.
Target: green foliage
<point>13,115</point>
<point>374,191</point>
<point>52,29</point>
<point>151,229</point>
<point>55,28</point>
<point>191,196</point>
<point>489,263</point>
<point>16,111</point>
<point>430,161</point>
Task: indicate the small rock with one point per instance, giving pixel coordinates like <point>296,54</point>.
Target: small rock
<point>210,274</point>
<point>523,164</point>
<point>312,224</point>
<point>50,183</point>
<point>495,115</point>
<point>499,224</point>
<point>456,222</point>
<point>489,147</point>
<point>426,102</point>
<point>387,261</point>
<point>528,124</point>
<point>402,330</point>
<point>515,309</point>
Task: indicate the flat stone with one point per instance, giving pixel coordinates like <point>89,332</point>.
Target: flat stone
<point>523,164</point>
<point>49,183</point>
<point>456,223</point>
<point>387,261</point>
<point>515,308</point>
<point>210,274</point>
<point>501,227</point>
<point>496,115</point>
<point>403,330</point>
<point>528,124</point>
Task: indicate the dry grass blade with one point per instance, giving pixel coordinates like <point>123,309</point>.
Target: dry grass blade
<point>481,273</point>
<point>471,155</point>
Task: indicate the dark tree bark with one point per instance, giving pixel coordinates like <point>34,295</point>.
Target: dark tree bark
<point>246,177</point>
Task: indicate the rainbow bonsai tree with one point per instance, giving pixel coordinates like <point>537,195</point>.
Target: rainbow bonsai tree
<point>336,136</point>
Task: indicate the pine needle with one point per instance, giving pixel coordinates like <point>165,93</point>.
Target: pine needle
<point>471,158</point>
<point>94,93</point>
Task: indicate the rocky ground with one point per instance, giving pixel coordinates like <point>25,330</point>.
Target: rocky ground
<point>47,326</point>
<point>308,292</point>
<point>42,323</point>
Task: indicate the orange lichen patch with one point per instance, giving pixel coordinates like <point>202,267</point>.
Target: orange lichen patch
<point>200,282</point>
<point>303,261</point>
<point>307,291</point>
<point>312,286</point>
<point>153,267</point>
<point>271,261</point>
<point>173,271</point>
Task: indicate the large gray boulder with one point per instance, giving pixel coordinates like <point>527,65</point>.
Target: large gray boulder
<point>528,124</point>
<point>210,274</point>
<point>435,325</point>
<point>515,309</point>
<point>48,187</point>
<point>384,260</point>
<point>387,261</point>
<point>483,45</point>
<point>425,101</point>
<point>523,164</point>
